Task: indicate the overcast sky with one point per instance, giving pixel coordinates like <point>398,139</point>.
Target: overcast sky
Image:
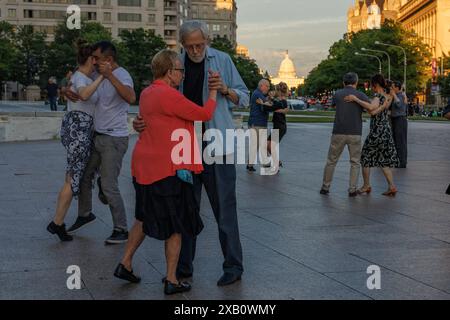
<point>306,28</point>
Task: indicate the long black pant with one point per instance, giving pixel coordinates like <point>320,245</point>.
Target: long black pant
<point>400,132</point>
<point>220,184</point>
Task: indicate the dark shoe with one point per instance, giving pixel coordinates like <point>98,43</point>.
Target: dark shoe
<point>171,288</point>
<point>227,279</point>
<point>324,192</point>
<point>251,169</point>
<point>122,273</point>
<point>353,194</point>
<point>448,190</point>
<point>365,190</point>
<point>101,195</point>
<point>117,237</point>
<point>60,231</point>
<point>81,222</point>
<point>180,275</point>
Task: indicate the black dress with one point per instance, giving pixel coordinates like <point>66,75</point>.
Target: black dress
<point>278,119</point>
<point>379,147</point>
<point>166,207</point>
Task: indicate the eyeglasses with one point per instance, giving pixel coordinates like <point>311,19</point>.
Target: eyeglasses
<point>193,47</point>
<point>179,69</point>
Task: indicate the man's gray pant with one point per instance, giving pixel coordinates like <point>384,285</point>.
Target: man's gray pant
<point>337,145</point>
<point>400,133</point>
<point>220,184</point>
<point>106,158</point>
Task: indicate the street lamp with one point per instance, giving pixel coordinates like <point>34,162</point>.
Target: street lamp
<point>405,61</point>
<point>387,55</point>
<point>373,56</point>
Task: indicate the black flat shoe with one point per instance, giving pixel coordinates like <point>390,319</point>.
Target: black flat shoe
<point>122,273</point>
<point>60,231</point>
<point>324,192</point>
<point>227,279</point>
<point>172,288</point>
<point>81,222</point>
<point>353,194</point>
<point>251,169</point>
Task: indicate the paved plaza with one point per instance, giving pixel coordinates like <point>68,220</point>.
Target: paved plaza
<point>297,244</point>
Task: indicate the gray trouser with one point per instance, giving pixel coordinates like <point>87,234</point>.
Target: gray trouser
<point>338,143</point>
<point>254,145</point>
<point>400,133</point>
<point>107,155</point>
<point>220,184</point>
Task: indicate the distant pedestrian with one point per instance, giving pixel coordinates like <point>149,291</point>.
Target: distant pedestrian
<point>399,112</point>
<point>446,114</point>
<point>52,94</point>
<point>258,120</point>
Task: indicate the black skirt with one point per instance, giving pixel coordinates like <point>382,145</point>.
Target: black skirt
<point>166,207</point>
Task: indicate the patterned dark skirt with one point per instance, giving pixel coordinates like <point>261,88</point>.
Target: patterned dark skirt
<point>77,131</point>
<point>379,147</point>
<point>166,207</point>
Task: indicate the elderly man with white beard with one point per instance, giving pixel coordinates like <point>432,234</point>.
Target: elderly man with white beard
<point>219,178</point>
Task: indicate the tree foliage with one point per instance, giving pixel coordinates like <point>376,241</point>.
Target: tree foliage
<point>30,63</point>
<point>8,52</point>
<point>342,59</point>
<point>136,51</point>
<point>248,69</point>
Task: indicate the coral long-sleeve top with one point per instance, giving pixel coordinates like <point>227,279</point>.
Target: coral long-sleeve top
<point>165,110</point>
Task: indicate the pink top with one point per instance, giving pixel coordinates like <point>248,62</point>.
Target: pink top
<point>164,110</point>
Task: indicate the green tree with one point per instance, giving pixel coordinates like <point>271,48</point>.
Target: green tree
<point>8,53</point>
<point>248,69</point>
<point>62,52</point>
<point>136,51</point>
<point>30,62</point>
<point>341,59</point>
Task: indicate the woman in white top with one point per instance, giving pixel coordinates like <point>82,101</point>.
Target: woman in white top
<point>76,136</point>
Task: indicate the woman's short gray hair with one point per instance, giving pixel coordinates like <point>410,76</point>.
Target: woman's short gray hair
<point>191,26</point>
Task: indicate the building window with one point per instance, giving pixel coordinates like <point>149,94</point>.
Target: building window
<point>129,3</point>
<point>84,2</point>
<point>151,3</point>
<point>107,16</point>
<point>11,13</point>
<point>89,15</point>
<point>134,17</point>
<point>216,27</point>
<point>152,18</point>
<point>28,14</point>
<point>107,3</point>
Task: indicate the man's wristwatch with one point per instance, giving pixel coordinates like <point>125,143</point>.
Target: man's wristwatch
<point>227,93</point>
